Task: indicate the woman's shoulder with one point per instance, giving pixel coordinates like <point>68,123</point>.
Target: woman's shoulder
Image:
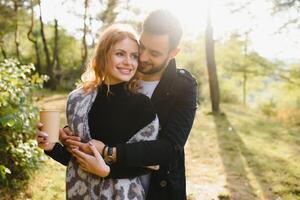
<point>80,92</point>
<point>76,92</point>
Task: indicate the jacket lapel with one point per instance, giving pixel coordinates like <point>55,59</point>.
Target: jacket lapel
<point>165,85</point>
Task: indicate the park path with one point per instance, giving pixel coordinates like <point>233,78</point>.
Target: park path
<point>206,179</point>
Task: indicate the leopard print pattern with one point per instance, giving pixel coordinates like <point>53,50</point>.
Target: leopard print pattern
<point>81,185</point>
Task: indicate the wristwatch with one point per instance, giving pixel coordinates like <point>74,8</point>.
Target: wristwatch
<point>109,159</point>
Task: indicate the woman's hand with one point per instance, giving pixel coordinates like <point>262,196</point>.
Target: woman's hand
<point>92,163</point>
<point>42,139</point>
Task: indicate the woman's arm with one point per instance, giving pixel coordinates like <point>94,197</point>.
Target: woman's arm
<point>54,150</point>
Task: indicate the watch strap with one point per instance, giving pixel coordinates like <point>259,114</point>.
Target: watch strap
<point>109,155</point>
<point>103,151</point>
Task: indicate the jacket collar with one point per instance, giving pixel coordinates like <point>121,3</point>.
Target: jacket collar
<point>166,82</point>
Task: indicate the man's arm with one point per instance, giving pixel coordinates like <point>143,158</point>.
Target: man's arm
<point>60,154</point>
<point>172,138</point>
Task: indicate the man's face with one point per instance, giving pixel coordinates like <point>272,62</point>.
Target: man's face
<point>154,53</point>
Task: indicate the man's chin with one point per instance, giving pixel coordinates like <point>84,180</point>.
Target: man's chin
<point>142,70</point>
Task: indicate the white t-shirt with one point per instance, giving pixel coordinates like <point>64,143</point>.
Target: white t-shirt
<point>147,89</point>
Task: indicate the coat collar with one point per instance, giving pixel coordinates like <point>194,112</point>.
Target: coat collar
<point>166,82</point>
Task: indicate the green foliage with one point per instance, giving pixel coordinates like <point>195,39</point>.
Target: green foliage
<point>69,57</point>
<point>69,48</point>
<point>234,59</point>
<point>250,71</point>
<point>6,25</point>
<point>192,58</point>
<point>229,92</point>
<point>268,108</point>
<point>18,150</point>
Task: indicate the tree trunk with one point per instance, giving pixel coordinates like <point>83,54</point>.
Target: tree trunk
<point>49,70</point>
<point>38,59</point>
<point>17,42</point>
<point>108,16</point>
<point>84,44</point>
<point>2,49</point>
<point>245,87</point>
<point>92,35</point>
<point>56,63</point>
<point>31,39</point>
<point>245,70</point>
<point>211,66</point>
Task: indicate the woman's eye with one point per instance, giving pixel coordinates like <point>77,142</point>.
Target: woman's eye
<point>119,54</point>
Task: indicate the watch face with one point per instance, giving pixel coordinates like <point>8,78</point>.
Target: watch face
<point>110,155</point>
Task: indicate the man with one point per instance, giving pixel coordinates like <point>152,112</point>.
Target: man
<point>174,99</point>
<point>173,93</point>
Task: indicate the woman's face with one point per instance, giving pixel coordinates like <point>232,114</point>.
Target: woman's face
<point>124,62</point>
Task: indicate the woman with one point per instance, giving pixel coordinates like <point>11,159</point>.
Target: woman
<point>107,108</point>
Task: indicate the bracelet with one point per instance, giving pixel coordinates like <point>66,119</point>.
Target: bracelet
<point>103,151</point>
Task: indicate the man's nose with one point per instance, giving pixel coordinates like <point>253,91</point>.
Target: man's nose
<point>144,56</point>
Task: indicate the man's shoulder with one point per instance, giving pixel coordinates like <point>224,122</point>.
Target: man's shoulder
<point>185,76</point>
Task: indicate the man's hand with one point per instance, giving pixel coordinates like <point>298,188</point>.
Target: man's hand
<point>92,163</point>
<point>65,134</point>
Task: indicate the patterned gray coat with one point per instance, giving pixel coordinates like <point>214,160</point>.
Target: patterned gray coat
<point>81,185</point>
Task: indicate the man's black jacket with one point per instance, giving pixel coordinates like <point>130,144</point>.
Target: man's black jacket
<point>175,101</point>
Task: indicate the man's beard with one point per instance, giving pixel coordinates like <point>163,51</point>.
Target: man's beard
<point>153,69</point>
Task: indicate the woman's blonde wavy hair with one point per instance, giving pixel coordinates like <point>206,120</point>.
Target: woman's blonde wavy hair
<point>96,70</point>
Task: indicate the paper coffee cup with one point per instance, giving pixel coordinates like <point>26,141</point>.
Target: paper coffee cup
<point>51,122</point>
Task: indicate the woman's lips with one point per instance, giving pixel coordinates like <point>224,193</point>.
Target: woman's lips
<point>125,71</point>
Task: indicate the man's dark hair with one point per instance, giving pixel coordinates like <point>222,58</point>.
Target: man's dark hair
<point>161,22</point>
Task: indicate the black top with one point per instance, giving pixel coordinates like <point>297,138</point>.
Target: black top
<point>114,118</point>
<point>117,115</point>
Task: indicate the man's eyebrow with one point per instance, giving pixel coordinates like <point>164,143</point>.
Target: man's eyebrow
<point>152,50</point>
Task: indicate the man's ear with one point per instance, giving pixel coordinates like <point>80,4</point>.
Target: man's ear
<point>174,52</point>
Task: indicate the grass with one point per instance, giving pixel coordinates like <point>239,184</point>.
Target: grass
<point>47,183</point>
<point>259,157</point>
<point>270,151</point>
<point>239,155</point>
